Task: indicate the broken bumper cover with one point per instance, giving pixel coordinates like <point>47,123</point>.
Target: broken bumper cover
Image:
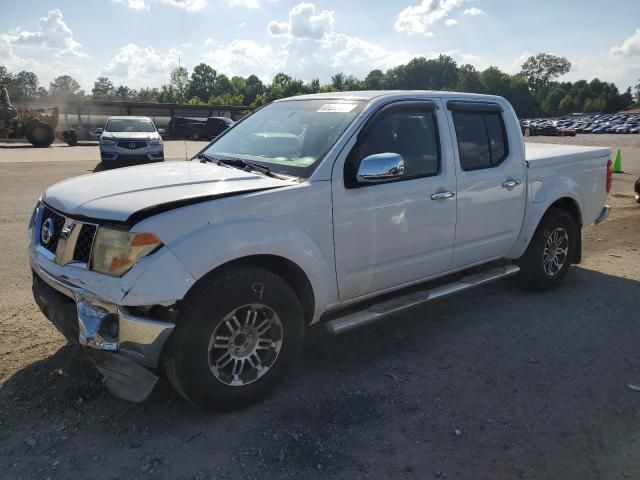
<point>125,348</point>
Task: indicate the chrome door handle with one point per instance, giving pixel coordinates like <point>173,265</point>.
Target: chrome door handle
<point>442,195</point>
<point>510,184</point>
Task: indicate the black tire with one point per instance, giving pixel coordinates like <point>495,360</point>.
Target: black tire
<point>40,134</point>
<point>533,273</point>
<point>187,358</point>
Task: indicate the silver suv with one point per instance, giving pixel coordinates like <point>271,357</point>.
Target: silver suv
<point>130,141</point>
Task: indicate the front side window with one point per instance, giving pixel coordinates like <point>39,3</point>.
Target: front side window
<point>289,137</point>
<point>410,132</point>
<point>130,125</point>
<point>482,139</point>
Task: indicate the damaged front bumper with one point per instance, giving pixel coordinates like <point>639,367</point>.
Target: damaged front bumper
<point>126,348</point>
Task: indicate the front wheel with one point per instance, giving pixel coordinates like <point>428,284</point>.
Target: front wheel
<point>548,257</point>
<point>235,336</point>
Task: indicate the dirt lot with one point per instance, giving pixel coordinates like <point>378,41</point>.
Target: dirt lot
<point>497,384</point>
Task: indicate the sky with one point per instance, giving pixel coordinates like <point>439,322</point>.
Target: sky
<point>138,42</point>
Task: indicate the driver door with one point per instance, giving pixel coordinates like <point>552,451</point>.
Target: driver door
<point>396,232</point>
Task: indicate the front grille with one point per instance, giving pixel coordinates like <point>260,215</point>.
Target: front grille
<point>82,250</point>
<point>132,145</point>
<point>77,237</point>
<point>55,227</point>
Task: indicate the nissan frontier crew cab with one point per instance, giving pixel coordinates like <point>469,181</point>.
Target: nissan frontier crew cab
<point>210,271</point>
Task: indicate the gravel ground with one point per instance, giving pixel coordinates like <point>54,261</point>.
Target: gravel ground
<point>497,384</point>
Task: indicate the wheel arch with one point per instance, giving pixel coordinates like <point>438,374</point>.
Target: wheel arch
<point>288,270</point>
<point>536,213</point>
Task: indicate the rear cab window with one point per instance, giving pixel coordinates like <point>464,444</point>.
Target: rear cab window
<point>481,136</point>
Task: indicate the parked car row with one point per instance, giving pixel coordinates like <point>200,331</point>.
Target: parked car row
<point>624,123</point>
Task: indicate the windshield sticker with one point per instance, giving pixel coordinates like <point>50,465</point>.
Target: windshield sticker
<point>337,107</point>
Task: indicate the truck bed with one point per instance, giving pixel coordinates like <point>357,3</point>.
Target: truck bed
<point>540,155</point>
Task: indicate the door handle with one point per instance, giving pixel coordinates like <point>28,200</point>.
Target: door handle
<point>510,184</point>
<point>442,195</point>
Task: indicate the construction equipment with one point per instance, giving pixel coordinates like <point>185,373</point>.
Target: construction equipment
<point>37,125</point>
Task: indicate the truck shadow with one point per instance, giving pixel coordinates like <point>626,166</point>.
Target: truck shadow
<point>533,381</point>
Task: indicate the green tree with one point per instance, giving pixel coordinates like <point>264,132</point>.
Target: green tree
<point>313,86</point>
<point>223,86</point>
<point>495,81</point>
<point>337,82</point>
<point>65,87</point>
<point>542,68</point>
<point>203,79</point>
<point>179,81</point>
<point>26,83</point>
<point>566,104</point>
<point>469,80</point>
<point>147,95</point>
<point>102,88</point>
<point>238,85</point>
<point>5,76</point>
<point>124,93</point>
<point>254,88</point>
<point>374,80</point>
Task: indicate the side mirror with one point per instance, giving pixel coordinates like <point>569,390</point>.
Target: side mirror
<point>162,131</point>
<point>380,167</point>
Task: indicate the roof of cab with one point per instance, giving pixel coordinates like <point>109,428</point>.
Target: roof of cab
<point>376,94</point>
<point>130,117</point>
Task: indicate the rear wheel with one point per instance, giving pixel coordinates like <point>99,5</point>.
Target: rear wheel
<point>549,255</point>
<point>40,134</point>
<point>234,338</point>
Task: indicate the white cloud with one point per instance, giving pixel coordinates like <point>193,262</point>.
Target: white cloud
<point>242,57</point>
<point>420,18</point>
<point>304,23</point>
<point>245,3</point>
<point>630,47</point>
<point>450,22</point>
<point>209,41</point>
<point>473,11</point>
<point>141,67</point>
<point>53,33</point>
<point>189,5</point>
<point>312,48</point>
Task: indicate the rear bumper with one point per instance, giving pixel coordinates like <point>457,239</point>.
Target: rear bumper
<point>603,214</point>
<point>125,348</point>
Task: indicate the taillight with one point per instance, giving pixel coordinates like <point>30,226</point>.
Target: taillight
<point>609,175</point>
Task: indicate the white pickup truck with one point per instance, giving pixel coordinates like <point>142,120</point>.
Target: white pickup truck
<point>339,208</point>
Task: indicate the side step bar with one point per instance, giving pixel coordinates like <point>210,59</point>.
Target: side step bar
<point>403,302</point>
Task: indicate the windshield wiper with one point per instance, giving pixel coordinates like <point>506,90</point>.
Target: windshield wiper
<point>235,162</point>
<point>204,158</point>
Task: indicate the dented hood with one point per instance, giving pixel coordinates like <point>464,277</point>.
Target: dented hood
<point>127,193</point>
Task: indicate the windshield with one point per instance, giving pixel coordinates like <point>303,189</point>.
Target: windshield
<point>289,137</point>
<point>129,125</point>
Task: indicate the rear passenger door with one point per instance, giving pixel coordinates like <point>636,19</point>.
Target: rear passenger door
<point>393,233</point>
<point>490,188</point>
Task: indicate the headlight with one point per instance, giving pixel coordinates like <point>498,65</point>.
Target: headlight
<point>32,220</point>
<point>116,251</point>
<point>155,141</point>
<point>107,141</point>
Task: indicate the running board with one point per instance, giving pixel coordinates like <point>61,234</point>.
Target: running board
<point>404,302</point>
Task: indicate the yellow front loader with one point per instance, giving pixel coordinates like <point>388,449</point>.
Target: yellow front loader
<point>37,125</point>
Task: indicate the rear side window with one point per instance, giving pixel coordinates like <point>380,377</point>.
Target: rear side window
<point>482,139</point>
